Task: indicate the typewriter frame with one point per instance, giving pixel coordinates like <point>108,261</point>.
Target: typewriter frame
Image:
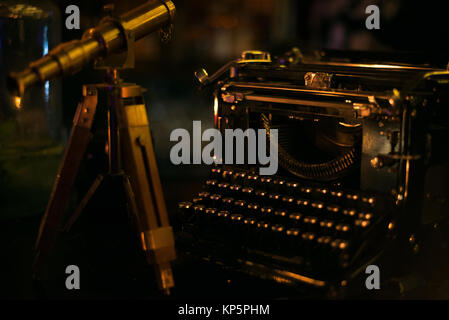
<point>401,160</point>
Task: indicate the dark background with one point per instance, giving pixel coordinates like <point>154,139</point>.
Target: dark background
<point>207,34</point>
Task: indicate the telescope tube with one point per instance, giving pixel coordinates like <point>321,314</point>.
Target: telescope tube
<point>110,36</point>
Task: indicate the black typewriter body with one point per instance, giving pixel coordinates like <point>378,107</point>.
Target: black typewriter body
<point>363,171</point>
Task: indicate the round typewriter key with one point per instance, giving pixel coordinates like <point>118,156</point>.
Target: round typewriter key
<point>235,187</point>
<point>275,199</point>
<point>342,230</point>
<point>337,196</point>
<point>248,191</point>
<point>295,218</point>
<point>263,234</point>
<point>261,195</point>
<point>266,212</point>
<point>184,205</point>
<point>250,225</point>
<point>239,204</point>
<point>302,203</point>
<point>251,180</point>
<point>327,227</point>
<point>216,172</point>
<point>210,214</point>
<point>332,208</point>
<point>223,187</point>
<point>343,245</point>
<point>318,208</point>
<point>203,194</point>
<point>250,221</point>
<point>321,194</point>
<point>349,214</point>
<point>236,217</point>
<point>352,199</point>
<point>185,210</point>
<point>266,184</point>
<point>281,213</point>
<point>281,216</point>
<point>293,232</point>
<point>277,237</point>
<point>227,202</point>
<point>278,228</point>
<point>265,180</point>
<point>288,202</point>
<point>317,205</point>
<point>235,190</point>
<point>198,208</point>
<point>279,185</point>
<point>274,196</point>
<point>308,244</point>
<point>322,191</point>
<point>292,242</point>
<point>365,216</point>
<point>361,225</point>
<point>236,228</point>
<point>239,177</point>
<point>253,208</point>
<point>197,200</point>
<point>210,211</point>
<point>369,200</point>
<point>324,240</point>
<point>340,246</point>
<point>310,223</point>
<point>215,199</point>
<point>333,211</point>
<point>211,184</point>
<point>293,185</point>
<point>227,174</point>
<point>263,225</point>
<point>223,214</point>
<point>335,243</point>
<point>288,199</point>
<point>324,251</point>
<point>279,182</point>
<point>292,188</point>
<point>306,191</point>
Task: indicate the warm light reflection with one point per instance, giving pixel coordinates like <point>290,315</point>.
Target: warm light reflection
<point>215,110</point>
<point>17,102</point>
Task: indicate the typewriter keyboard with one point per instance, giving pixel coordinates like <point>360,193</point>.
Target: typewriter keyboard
<point>280,224</point>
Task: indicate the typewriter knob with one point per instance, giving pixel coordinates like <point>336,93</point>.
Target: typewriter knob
<point>202,76</point>
<point>255,56</point>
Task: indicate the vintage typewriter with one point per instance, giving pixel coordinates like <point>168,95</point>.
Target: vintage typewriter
<point>363,172</point>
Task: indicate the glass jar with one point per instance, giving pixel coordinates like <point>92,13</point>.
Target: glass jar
<point>31,131</point>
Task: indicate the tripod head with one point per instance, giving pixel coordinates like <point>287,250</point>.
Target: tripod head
<point>112,35</point>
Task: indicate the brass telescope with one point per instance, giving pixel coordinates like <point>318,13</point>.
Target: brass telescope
<point>130,149</point>
<point>110,36</point>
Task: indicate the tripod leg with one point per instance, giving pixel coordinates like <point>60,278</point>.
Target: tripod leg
<point>131,198</point>
<point>140,164</point>
<point>84,202</point>
<point>73,154</point>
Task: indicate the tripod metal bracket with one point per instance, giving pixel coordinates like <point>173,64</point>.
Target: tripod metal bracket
<point>124,59</point>
<point>160,238</point>
<point>85,113</point>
